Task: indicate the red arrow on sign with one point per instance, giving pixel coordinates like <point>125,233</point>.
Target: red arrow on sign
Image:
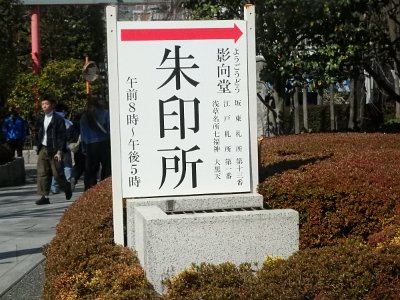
<point>166,34</point>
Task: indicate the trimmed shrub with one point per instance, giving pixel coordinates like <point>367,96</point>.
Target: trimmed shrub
<point>342,185</point>
<point>348,271</point>
<point>389,235</point>
<point>82,261</point>
<point>218,282</point>
<point>391,126</point>
<point>345,187</point>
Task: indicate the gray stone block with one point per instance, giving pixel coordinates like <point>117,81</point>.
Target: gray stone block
<point>12,173</point>
<point>30,157</point>
<point>189,203</point>
<point>168,244</point>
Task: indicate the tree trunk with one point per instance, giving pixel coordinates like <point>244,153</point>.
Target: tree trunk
<point>332,107</point>
<point>381,82</point>
<point>393,28</point>
<point>262,108</point>
<point>397,110</point>
<point>395,75</point>
<point>271,120</point>
<point>296,111</point>
<point>305,110</point>
<point>394,34</point>
<point>361,101</point>
<point>352,105</point>
<point>320,92</point>
<point>277,102</point>
<point>279,106</point>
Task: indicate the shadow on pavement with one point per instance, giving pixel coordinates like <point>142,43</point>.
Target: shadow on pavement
<point>18,253</point>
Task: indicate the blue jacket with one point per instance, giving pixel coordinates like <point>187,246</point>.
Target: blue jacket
<point>14,128</point>
<point>90,131</point>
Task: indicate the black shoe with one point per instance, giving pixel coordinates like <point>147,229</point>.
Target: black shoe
<point>42,201</point>
<point>68,192</point>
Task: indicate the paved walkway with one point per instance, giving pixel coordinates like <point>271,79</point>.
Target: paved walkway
<point>24,228</point>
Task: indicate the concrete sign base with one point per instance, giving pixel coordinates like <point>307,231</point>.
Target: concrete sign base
<point>172,233</point>
<point>12,173</point>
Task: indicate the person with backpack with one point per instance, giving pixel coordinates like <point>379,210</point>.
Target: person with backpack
<point>95,140</point>
<point>75,146</point>
<point>61,110</point>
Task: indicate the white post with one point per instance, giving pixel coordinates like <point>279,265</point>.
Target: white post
<point>249,17</point>
<point>111,12</point>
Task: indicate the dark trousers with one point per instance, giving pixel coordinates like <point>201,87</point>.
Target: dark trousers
<point>79,167</point>
<point>16,145</point>
<point>97,154</point>
<point>47,167</point>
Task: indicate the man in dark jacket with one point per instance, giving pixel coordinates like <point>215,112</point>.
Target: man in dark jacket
<point>50,143</point>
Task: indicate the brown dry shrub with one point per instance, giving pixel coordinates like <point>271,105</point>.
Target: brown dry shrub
<point>342,185</point>
<point>82,262</point>
<point>348,271</point>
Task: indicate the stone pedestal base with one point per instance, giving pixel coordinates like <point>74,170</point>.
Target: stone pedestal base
<point>30,157</point>
<point>12,173</point>
<point>170,234</point>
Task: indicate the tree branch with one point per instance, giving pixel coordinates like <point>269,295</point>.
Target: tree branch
<point>382,83</point>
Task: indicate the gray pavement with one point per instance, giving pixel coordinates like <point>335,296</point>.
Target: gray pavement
<point>24,229</point>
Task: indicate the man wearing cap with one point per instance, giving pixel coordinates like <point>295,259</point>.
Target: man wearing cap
<point>50,143</point>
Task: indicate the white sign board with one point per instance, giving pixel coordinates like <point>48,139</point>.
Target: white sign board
<point>183,105</point>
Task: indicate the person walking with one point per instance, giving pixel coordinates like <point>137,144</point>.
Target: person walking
<point>61,110</point>
<point>14,130</point>
<point>75,146</point>
<point>95,141</point>
<point>50,143</point>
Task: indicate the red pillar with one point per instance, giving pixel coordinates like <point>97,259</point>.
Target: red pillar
<point>35,35</point>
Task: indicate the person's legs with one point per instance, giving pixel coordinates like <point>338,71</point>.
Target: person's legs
<point>105,152</point>
<point>67,162</point>
<point>77,169</point>
<point>91,166</point>
<point>12,145</point>
<point>19,147</point>
<point>68,176</point>
<point>43,176</point>
<point>79,166</point>
<point>54,187</point>
<point>68,173</point>
<point>58,173</point>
